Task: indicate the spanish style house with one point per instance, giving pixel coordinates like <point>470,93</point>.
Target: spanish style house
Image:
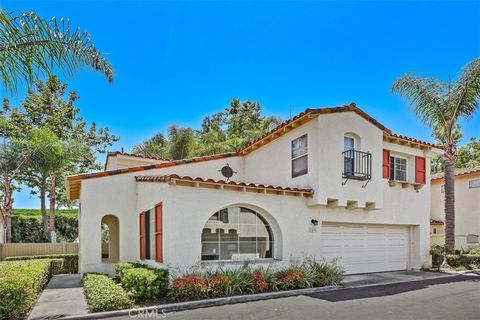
<point>330,183</point>
<point>467,208</point>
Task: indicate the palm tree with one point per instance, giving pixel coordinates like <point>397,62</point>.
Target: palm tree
<point>32,47</point>
<point>441,105</point>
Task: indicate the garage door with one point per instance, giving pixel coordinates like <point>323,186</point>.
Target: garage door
<point>361,248</point>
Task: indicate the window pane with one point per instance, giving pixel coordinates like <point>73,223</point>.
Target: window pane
<point>210,234</point>
<point>248,250</point>
<point>299,147</point>
<point>248,232</point>
<point>348,143</point>
<point>299,166</point>
<point>263,233</point>
<point>248,216</point>
<point>228,250</point>
<point>210,251</point>
<point>230,234</point>
<point>264,249</point>
<point>474,183</point>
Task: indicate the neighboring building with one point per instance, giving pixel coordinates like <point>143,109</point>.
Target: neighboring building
<point>467,208</point>
<point>330,183</point>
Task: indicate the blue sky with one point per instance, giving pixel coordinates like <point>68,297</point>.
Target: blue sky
<point>176,62</point>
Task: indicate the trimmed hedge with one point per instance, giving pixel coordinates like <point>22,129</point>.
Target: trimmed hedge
<point>142,281</point>
<point>29,229</point>
<point>69,265</point>
<point>20,284</point>
<point>103,294</point>
<point>463,260</point>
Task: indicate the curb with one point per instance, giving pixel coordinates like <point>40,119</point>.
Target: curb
<point>215,302</point>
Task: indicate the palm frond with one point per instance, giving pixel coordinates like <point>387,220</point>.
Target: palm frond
<point>425,95</point>
<point>465,93</point>
<point>32,47</point>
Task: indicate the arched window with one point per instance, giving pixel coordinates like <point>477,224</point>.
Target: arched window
<point>237,233</point>
<point>110,239</point>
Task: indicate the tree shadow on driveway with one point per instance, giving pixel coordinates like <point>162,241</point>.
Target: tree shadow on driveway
<point>388,289</point>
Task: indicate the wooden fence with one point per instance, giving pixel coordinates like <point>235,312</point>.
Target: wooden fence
<point>33,249</point>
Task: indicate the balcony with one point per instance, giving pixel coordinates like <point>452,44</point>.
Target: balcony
<point>357,165</point>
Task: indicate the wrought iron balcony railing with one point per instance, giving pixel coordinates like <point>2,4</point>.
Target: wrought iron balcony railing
<point>357,165</point>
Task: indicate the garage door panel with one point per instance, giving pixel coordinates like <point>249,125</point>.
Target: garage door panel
<point>365,248</point>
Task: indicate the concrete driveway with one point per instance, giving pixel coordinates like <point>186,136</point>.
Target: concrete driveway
<point>456,297</point>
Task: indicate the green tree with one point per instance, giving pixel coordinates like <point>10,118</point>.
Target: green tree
<point>157,146</point>
<point>182,142</point>
<point>441,105</point>
<point>468,156</point>
<point>31,47</point>
<point>51,107</point>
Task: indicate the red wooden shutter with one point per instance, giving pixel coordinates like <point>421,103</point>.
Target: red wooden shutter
<point>142,236</point>
<point>386,164</point>
<point>159,232</point>
<point>420,172</point>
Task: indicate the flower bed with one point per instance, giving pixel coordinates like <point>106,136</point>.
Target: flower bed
<point>228,282</point>
<point>20,284</point>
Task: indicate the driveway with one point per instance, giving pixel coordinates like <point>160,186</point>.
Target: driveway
<point>456,297</point>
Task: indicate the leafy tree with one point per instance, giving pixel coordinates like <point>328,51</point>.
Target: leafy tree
<point>441,105</point>
<point>50,107</point>
<point>221,132</point>
<point>31,47</point>
<point>468,156</point>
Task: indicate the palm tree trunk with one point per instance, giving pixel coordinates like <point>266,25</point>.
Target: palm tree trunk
<point>52,203</point>
<point>449,205</point>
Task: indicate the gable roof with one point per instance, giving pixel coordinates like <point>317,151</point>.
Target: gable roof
<point>226,185</point>
<point>458,172</point>
<point>131,155</point>
<point>438,222</point>
<point>73,182</point>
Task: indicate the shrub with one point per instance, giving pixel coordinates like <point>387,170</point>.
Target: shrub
<point>29,229</point>
<point>259,282</point>
<point>103,294</point>
<point>20,284</point>
<point>465,260</point>
<point>240,278</point>
<point>218,285</point>
<point>475,250</point>
<point>291,278</point>
<point>438,255</point>
<point>69,265</point>
<point>142,281</point>
<point>319,274</point>
<point>189,287</point>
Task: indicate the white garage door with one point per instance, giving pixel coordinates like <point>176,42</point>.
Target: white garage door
<point>362,248</point>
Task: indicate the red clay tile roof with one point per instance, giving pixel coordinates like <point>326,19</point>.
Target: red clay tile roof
<point>239,185</point>
<point>433,221</point>
<point>458,172</point>
<point>302,118</point>
<point>136,155</point>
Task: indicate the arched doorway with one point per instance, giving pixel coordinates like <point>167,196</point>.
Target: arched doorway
<point>110,239</point>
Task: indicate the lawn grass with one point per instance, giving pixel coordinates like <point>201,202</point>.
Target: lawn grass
<point>37,213</point>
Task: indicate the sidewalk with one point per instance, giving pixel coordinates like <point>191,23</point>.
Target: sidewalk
<point>62,297</point>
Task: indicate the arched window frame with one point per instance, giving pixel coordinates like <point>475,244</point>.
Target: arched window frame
<point>226,242</point>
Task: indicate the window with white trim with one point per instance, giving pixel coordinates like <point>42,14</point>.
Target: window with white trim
<point>398,169</point>
<point>237,233</point>
<point>474,184</point>
<point>299,156</point>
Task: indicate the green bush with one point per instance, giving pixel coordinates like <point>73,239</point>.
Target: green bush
<point>189,287</point>
<point>463,260</point>
<point>475,250</point>
<point>20,284</point>
<point>69,265</point>
<point>29,229</point>
<point>142,281</point>
<point>438,255</point>
<point>319,274</point>
<point>103,294</point>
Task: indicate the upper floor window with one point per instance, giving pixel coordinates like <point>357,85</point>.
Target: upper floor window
<point>398,169</point>
<point>349,155</point>
<point>348,143</point>
<point>299,156</point>
<point>474,184</point>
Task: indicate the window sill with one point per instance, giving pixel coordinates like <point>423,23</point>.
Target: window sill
<point>252,261</point>
<point>406,184</point>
